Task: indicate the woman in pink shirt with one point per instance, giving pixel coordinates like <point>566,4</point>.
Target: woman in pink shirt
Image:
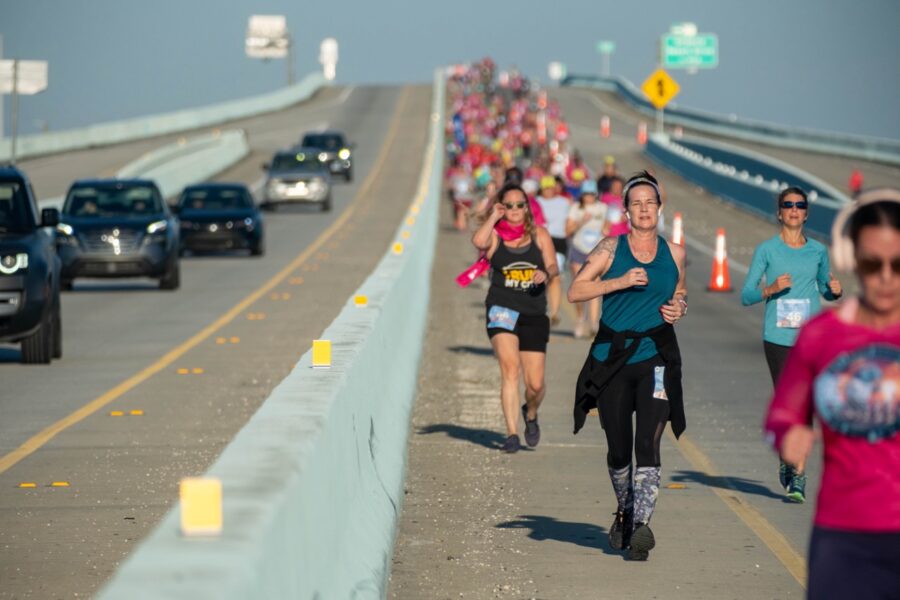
<point>845,369</point>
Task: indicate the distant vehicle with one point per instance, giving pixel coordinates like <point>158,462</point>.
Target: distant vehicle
<point>299,176</point>
<point>29,271</point>
<point>220,216</point>
<point>118,228</point>
<point>334,150</point>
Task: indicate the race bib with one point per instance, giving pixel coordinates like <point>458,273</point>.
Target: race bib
<point>791,313</point>
<point>586,239</point>
<point>615,214</point>
<point>500,317</point>
<point>659,383</point>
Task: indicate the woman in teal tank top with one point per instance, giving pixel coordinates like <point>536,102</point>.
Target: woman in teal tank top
<point>640,277</point>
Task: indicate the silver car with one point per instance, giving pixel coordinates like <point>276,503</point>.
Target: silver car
<point>297,176</point>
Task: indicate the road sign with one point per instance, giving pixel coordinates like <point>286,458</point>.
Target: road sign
<point>606,47</point>
<point>267,37</point>
<point>328,56</point>
<point>32,76</point>
<point>690,51</point>
<point>660,88</point>
<point>557,71</point>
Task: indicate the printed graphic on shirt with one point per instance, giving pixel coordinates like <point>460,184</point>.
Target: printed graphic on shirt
<point>519,275</point>
<point>791,313</point>
<point>859,393</point>
<point>501,317</point>
<point>659,385</point>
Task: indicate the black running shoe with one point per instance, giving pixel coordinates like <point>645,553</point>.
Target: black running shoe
<point>620,532</point>
<point>511,445</point>
<point>532,429</point>
<point>642,542</point>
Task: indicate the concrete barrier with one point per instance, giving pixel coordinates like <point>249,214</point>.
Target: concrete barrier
<point>810,140</point>
<point>127,130</point>
<point>312,484</point>
<point>747,179</point>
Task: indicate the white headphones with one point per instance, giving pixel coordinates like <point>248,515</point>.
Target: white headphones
<point>841,245</point>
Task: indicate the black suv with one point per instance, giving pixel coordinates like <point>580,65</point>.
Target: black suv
<point>118,228</point>
<point>29,271</point>
<point>334,151</point>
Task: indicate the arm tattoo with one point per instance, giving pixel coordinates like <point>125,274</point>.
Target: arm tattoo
<point>607,244</point>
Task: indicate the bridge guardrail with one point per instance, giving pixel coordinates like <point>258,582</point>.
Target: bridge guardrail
<point>810,140</point>
<point>137,128</point>
<point>313,483</point>
<point>745,178</point>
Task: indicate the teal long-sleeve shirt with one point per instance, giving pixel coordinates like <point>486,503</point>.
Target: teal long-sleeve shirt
<point>809,268</point>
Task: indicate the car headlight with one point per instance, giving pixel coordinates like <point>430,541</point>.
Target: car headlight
<point>344,154</point>
<point>65,229</point>
<point>323,156</point>
<point>157,227</point>
<point>13,263</point>
<point>249,224</point>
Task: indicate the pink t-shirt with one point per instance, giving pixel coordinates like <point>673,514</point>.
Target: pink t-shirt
<point>615,215</point>
<point>847,375</point>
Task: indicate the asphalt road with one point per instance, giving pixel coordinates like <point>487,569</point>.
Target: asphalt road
<point>237,325</point>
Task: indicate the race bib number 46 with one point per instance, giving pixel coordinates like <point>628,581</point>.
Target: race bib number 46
<point>792,313</point>
<point>500,317</point>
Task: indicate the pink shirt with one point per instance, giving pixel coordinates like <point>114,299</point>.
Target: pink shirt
<point>848,376</point>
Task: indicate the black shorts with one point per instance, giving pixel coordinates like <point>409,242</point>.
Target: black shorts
<point>561,245</point>
<point>533,332</point>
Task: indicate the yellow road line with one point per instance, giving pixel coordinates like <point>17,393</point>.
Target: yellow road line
<point>38,440</point>
<point>752,518</point>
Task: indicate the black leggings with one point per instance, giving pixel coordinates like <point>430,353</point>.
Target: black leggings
<point>850,564</point>
<point>776,356</point>
<point>631,391</point>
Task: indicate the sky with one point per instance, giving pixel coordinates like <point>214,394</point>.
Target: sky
<point>821,64</point>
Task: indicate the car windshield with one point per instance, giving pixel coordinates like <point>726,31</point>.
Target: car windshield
<point>133,200</point>
<point>325,142</point>
<point>14,214</point>
<point>216,199</point>
<point>301,162</point>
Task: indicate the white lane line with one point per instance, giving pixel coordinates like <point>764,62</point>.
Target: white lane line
<point>345,94</point>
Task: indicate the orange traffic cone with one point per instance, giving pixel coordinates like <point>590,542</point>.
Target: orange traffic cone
<point>604,127</point>
<point>719,281</point>
<point>677,230</point>
<point>642,133</point>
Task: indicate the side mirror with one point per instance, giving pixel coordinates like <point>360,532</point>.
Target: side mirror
<point>50,217</point>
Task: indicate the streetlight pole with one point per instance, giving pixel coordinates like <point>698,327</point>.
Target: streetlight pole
<point>289,60</point>
<point>14,115</point>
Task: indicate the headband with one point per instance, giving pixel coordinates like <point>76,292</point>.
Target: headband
<point>842,255</point>
<point>640,181</point>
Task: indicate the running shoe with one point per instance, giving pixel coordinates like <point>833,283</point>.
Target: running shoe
<point>785,473</point>
<point>512,444</point>
<point>532,429</point>
<point>796,491</point>
<point>642,542</point>
<point>620,532</point>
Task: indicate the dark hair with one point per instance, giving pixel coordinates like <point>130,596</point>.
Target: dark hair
<point>635,180</point>
<point>513,175</point>
<point>788,191</point>
<point>881,213</point>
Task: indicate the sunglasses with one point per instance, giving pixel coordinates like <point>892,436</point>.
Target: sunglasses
<point>512,205</point>
<point>801,205</point>
<point>871,266</point>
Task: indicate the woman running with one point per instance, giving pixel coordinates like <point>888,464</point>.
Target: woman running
<point>845,369</point>
<point>634,364</point>
<point>797,271</point>
<point>522,263</point>
<point>584,227</point>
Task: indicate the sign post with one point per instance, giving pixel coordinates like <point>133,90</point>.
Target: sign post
<point>660,88</point>
<point>17,77</point>
<point>606,48</point>
<point>268,37</point>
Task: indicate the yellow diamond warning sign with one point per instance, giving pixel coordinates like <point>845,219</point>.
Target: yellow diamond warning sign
<point>660,88</point>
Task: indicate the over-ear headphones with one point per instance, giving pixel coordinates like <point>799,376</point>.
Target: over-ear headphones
<point>842,255</point>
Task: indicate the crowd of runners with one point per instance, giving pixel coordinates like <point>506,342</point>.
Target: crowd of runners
<point>539,211</point>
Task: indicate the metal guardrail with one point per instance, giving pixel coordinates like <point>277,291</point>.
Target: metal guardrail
<point>313,484</point>
<point>127,130</point>
<point>751,181</point>
<point>822,142</point>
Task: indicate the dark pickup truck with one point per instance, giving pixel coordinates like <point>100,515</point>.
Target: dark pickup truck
<point>29,271</point>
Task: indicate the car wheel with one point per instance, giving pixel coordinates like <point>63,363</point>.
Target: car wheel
<point>326,204</point>
<point>267,206</point>
<point>37,348</point>
<point>348,175</point>
<point>172,279</point>
<point>67,284</point>
<point>57,333</point>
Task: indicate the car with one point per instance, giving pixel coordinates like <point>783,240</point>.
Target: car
<point>334,150</point>
<point>220,216</point>
<point>298,176</point>
<point>29,271</point>
<point>118,228</point>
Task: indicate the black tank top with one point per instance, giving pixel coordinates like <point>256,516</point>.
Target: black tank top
<point>512,271</point>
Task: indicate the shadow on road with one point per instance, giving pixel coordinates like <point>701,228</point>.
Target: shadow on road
<point>476,350</point>
<point>483,437</point>
<point>746,486</point>
<point>543,528</point>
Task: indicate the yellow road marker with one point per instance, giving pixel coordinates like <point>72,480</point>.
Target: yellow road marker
<point>752,518</point>
<point>27,484</point>
<point>234,340</point>
<point>405,235</point>
<point>410,221</point>
<point>183,371</point>
<point>136,413</point>
<point>360,300</point>
<point>60,484</point>
<point>397,248</point>
<point>220,340</point>
<point>36,441</point>
<point>321,354</point>
<point>116,413</point>
<point>676,486</point>
<point>414,209</point>
<point>197,371</point>
<point>256,316</point>
<point>201,506</point>
<point>295,281</point>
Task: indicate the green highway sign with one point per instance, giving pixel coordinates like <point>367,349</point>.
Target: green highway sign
<point>690,51</point>
<point>606,47</point>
